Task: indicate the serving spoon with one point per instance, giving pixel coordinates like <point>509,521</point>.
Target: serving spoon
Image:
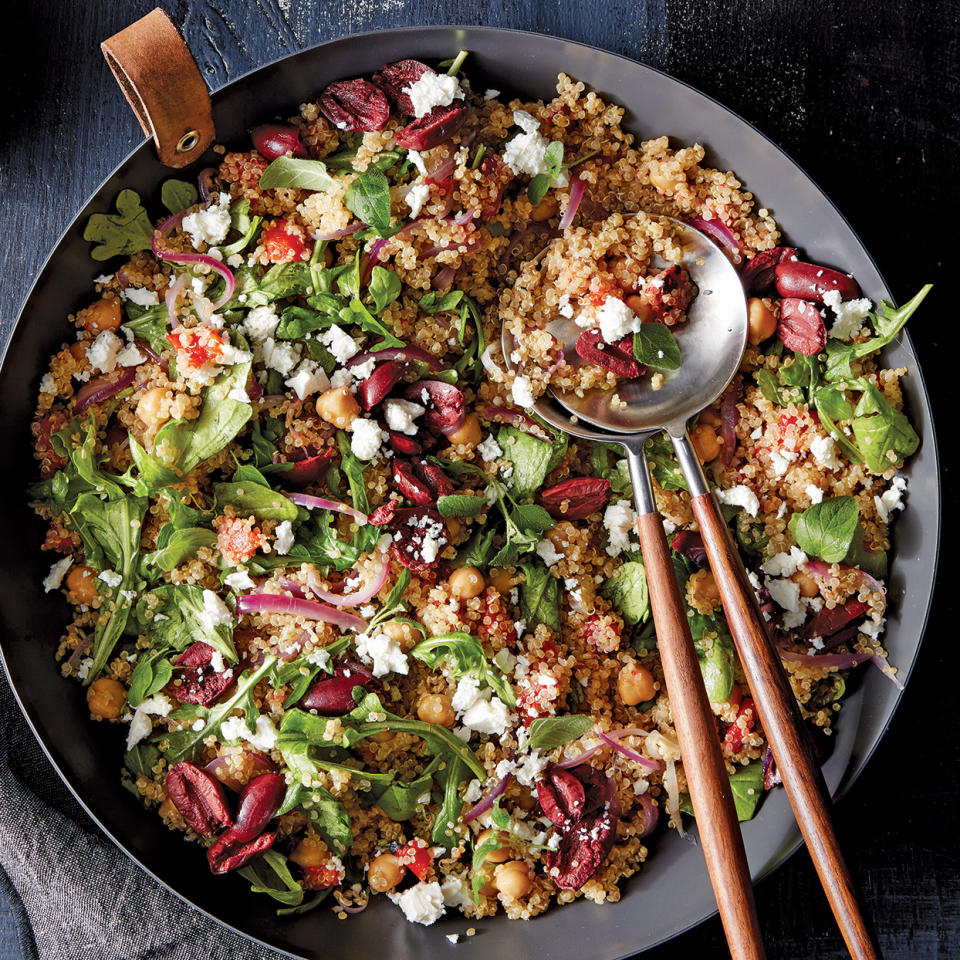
<point>711,345</point>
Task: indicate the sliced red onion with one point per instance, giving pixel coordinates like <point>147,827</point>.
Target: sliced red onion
<point>291,586</point>
<point>515,419</point>
<point>462,219</point>
<point>651,814</point>
<point>364,594</point>
<point>618,733</point>
<point>470,245</point>
<point>840,660</point>
<point>444,279</point>
<point>81,649</point>
<point>822,569</point>
<point>204,178</point>
<point>338,234</point>
<point>719,232</point>
<point>884,667</point>
<point>319,503</point>
<point>637,758</point>
<point>145,348</point>
<point>170,298</point>
<point>486,802</point>
<point>489,365</point>
<point>444,170</point>
<point>199,258</point>
<point>100,389</point>
<point>294,606</point>
<point>577,186</point>
<point>582,758</point>
<point>404,354</point>
<point>373,258</point>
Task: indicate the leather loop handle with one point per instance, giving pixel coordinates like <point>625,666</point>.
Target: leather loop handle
<point>162,82</point>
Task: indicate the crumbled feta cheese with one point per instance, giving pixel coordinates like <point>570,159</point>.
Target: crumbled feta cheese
<point>488,716</point>
<point>83,670</point>
<point>563,305</point>
<point>849,315</point>
<point>343,377</point>
<point>140,296</point>
<point>825,452</point>
<point>740,496</point>
<point>103,278</point>
<point>422,903</point>
<point>234,260</point>
<point>57,572</point>
<point>383,651</point>
<point>453,937</point>
<point>891,499</point>
<point>239,580</point>
<point>522,392</point>
<point>547,552</point>
<point>102,353</point>
<point>363,370</point>
<point>417,160</point>
<point>433,90</point>
<point>308,379</point>
<point>527,151</point>
<point>616,320</point>
<point>284,538</point>
<point>781,462</point>
<point>490,449</point>
<point>215,611</point>
<point>620,520</point>
<point>111,578</point>
<point>785,593</point>
<point>416,197</point>
<point>340,344</point>
<point>319,658</point>
<point>756,433</point>
<point>47,384</point>
<point>491,94</point>
<point>401,414</point>
<point>261,323</point>
<point>366,438</point>
<point>784,564</point>
<point>456,890</point>
<point>129,356</point>
<point>280,356</point>
<point>527,122</point>
<point>209,225</point>
<point>814,493</point>
<point>140,726</point>
<point>263,738</point>
<point>527,770</point>
<point>520,627</point>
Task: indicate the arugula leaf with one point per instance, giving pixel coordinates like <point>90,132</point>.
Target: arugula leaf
<point>279,282</point>
<point>297,173</point>
<point>259,499</point>
<point>270,874</point>
<point>627,591</point>
<point>746,785</point>
<point>149,324</point>
<point>549,732</point>
<point>463,655</point>
<point>655,346</point>
<point>185,744</point>
<point>848,449</point>
<point>770,388</point>
<point>368,198</point>
<point>141,760</point>
<point>122,233</point>
<point>404,798</point>
<point>873,562</point>
<point>356,313</point>
<point>826,529</point>
<point>539,596</point>
<point>460,505</point>
<point>181,545</point>
<point>530,458</point>
<point>449,776</point>
<point>884,434</point>
<point>177,195</point>
<point>832,400</point>
<point>384,287</point>
<point>478,550</point>
<point>243,223</point>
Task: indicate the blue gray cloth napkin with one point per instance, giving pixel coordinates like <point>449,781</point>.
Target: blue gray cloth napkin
<point>75,895</point>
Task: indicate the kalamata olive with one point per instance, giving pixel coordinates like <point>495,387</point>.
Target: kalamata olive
<point>228,853</point>
<point>438,126</point>
<point>801,326</point>
<point>808,281</point>
<point>445,403</point>
<point>383,379</point>
<point>260,800</point>
<point>274,140</point>
<point>333,696</point>
<point>394,78</point>
<point>198,797</point>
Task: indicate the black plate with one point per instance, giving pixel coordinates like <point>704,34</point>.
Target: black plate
<point>672,892</point>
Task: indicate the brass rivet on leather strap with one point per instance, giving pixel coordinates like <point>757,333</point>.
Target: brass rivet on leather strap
<point>188,141</point>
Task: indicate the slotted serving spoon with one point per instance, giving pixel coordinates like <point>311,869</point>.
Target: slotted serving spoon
<point>711,345</point>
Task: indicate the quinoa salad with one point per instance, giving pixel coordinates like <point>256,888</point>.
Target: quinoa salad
<point>363,624</point>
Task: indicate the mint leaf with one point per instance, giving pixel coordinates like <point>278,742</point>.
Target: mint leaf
<point>826,529</point>
<point>549,732</point>
<point>655,346</point>
<point>368,198</point>
<point>384,287</point>
<point>298,174</point>
<point>460,505</point>
<point>540,596</point>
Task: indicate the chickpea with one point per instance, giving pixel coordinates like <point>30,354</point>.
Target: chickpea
<point>545,209</point>
<point>384,873</point>
<point>338,406</point>
<point>710,416</point>
<point>167,809</point>
<point>761,322</point>
<point>106,698</point>
<point>703,589</point>
<point>102,315</point>
<point>705,442</point>
<point>501,579</point>
<point>82,584</point>
<point>495,856</point>
<point>635,684</point>
<point>562,535</point>
<point>310,852</point>
<point>469,433</point>
<point>436,708</point>
<point>513,879</point>
<point>153,408</point>
<point>467,582</point>
<point>663,182</point>
<point>454,527</point>
<point>808,584</point>
<point>640,307</point>
<point>401,634</point>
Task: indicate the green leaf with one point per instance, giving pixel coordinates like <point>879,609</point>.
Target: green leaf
<point>549,732</point>
<point>873,562</point>
<point>462,654</point>
<point>530,458</point>
<point>384,287</point>
<point>539,596</point>
<point>297,173</point>
<point>355,313</point>
<point>177,195</point>
<point>627,591</point>
<point>187,614</point>
<point>270,874</point>
<point>884,434</point>
<point>716,656</point>
<point>254,498</point>
<point>655,346</point>
<point>663,463</point>
<point>826,529</point>
<point>537,187</point>
<point>150,325</point>
<point>460,505</point>
<point>770,388</point>
<point>368,198</point>
<point>181,545</point>
<point>150,675</point>
<point>141,760</point>
<point>122,233</point>
<point>478,550</point>
<point>746,785</point>
<point>449,776</point>
<point>832,400</point>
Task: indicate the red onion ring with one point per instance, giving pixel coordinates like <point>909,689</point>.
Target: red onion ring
<point>462,219</point>
<point>651,814</point>
<point>183,258</point>
<point>204,178</point>
<point>577,186</point>
<point>432,251</point>
<point>582,758</point>
<point>338,234</point>
<point>443,281</point>
<point>730,417</point>
<point>319,503</point>
<point>515,419</point>
<point>368,592</point>
<point>823,570</point>
<point>294,606</point>
<point>842,661</point>
<point>486,802</point>
<point>637,758</point>
<point>100,389</point>
<point>719,232</point>
<point>444,170</point>
<point>291,586</point>
<point>170,299</point>
<point>81,649</point>
<point>404,354</point>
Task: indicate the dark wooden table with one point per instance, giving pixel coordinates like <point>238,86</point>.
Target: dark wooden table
<point>863,94</point>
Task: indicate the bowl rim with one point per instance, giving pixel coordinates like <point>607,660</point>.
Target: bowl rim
<point>855,765</point>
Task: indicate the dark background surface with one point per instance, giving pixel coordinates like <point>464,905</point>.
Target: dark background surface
<point>864,95</point>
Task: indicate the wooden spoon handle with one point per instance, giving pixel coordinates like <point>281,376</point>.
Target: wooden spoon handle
<point>696,728</point>
<point>700,747</point>
<point>782,723</point>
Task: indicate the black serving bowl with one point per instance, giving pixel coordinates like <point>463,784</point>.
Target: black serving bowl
<point>672,891</point>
